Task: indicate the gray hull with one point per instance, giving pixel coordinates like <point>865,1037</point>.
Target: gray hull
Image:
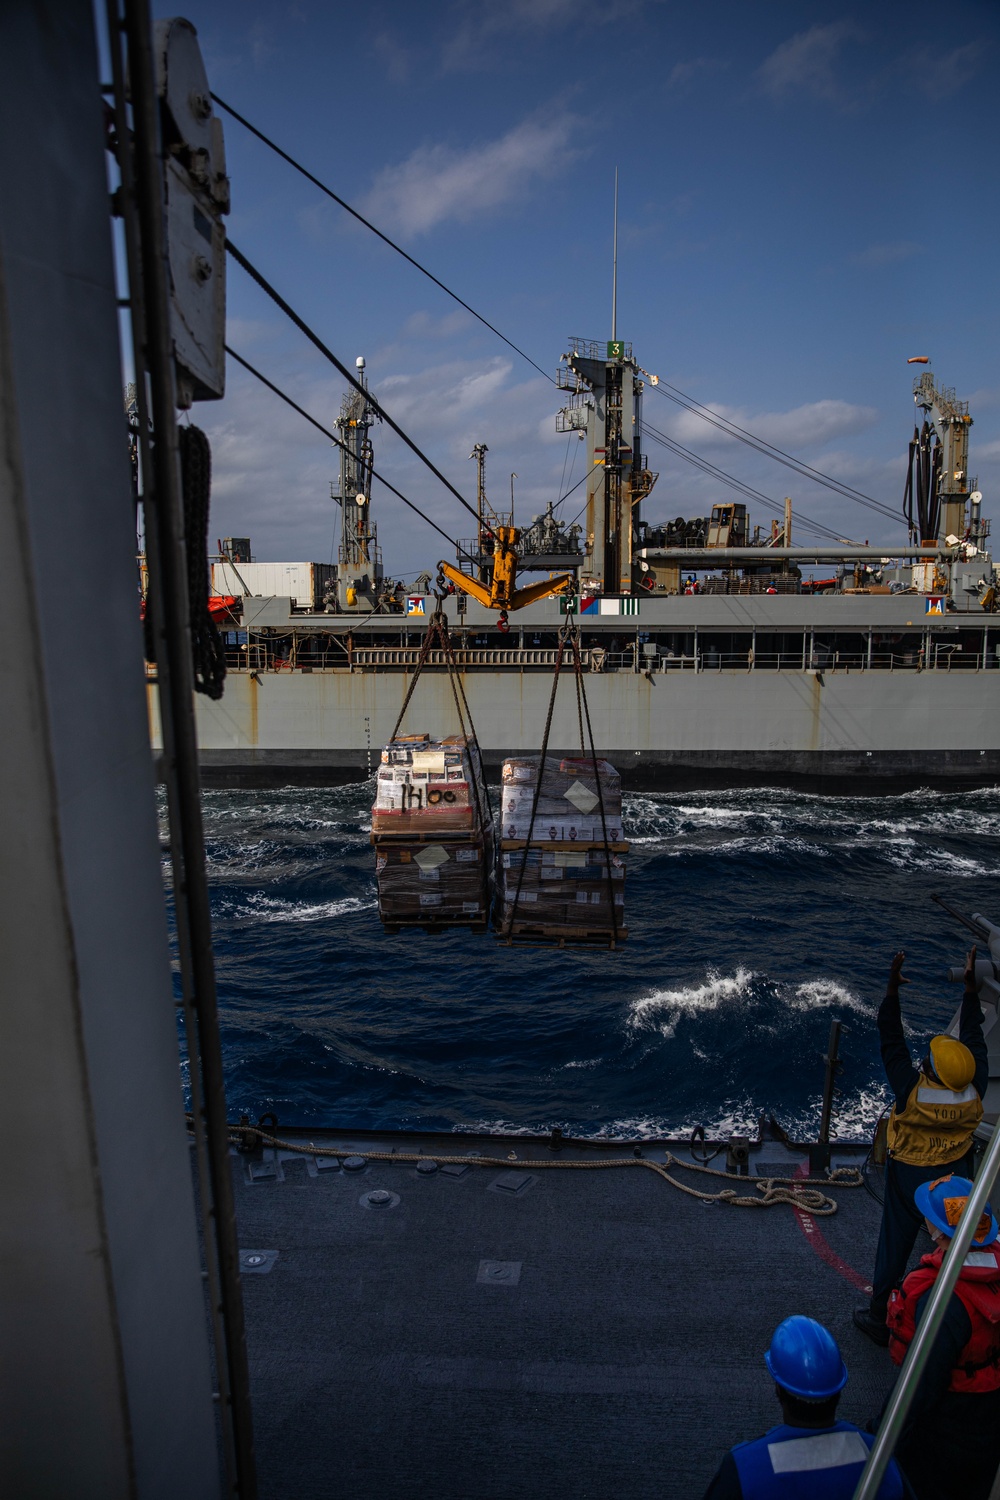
<point>668,728</point>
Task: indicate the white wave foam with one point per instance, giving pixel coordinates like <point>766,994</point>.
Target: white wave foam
<point>664,1009</point>
<point>273,909</point>
<point>819,994</point>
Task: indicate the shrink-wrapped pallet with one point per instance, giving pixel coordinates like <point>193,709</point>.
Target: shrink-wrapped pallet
<point>426,785</point>
<point>569,807</point>
<point>566,883</point>
<point>433,843</point>
<point>433,883</point>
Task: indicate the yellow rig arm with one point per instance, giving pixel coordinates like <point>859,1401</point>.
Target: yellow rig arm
<point>501,593</point>
<point>518,598</point>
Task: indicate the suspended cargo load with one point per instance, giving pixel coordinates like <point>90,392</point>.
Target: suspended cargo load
<point>433,885</point>
<point>562,872</point>
<point>569,806</point>
<point>429,786</point>
<point>433,834</point>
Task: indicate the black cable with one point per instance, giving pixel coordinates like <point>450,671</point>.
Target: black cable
<point>207,651</point>
<point>315,340</point>
<point>384,237</point>
<point>672,393</point>
<point>769,450</point>
<point>729,479</point>
<point>327,433</point>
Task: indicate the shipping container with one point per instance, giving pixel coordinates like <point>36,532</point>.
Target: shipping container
<point>305,583</point>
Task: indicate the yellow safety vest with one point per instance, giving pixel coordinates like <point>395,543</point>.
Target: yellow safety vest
<point>936,1126</point>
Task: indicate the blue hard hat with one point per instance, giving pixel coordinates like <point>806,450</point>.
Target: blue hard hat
<point>943,1201</point>
<point>805,1361</point>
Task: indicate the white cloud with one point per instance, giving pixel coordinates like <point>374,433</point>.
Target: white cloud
<point>438,183</point>
<point>807,63</point>
<point>940,77</point>
<point>483,26</point>
<point>807,426</point>
<point>887,254</point>
<point>683,74</point>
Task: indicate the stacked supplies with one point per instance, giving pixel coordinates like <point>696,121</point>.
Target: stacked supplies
<point>572,885</point>
<point>433,844</point>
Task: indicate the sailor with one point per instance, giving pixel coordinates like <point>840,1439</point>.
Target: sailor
<point>951,1442</point>
<point>810,1454</point>
<point>935,1112</point>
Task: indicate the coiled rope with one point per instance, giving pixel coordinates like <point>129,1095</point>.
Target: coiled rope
<point>805,1193</point>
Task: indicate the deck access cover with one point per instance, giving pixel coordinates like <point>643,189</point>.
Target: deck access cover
<point>499,1272</point>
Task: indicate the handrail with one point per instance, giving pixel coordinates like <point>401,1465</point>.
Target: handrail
<point>472,656</point>
<point>923,1343</point>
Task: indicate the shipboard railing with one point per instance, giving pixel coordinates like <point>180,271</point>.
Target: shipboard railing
<point>471,656</point>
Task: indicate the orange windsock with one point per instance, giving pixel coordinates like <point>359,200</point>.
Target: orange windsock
<point>919,359</point>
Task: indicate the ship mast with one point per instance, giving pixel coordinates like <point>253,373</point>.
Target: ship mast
<point>605,403</point>
<point>359,558</point>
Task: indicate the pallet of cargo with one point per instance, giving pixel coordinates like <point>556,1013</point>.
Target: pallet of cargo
<point>562,937</point>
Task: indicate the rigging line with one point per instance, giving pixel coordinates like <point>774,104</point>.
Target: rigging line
<point>562,477</point>
<point>327,433</point>
<point>315,340</point>
<point>694,458</point>
<point>583,507</point>
<point>672,393</point>
<point>383,237</point>
<point>770,451</point>
<point>737,484</point>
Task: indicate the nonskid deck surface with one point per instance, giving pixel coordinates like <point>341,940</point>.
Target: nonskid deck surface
<point>483,1337</point>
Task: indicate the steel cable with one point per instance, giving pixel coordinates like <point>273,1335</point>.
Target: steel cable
<point>378,232</point>
<point>317,343</point>
<point>327,433</point>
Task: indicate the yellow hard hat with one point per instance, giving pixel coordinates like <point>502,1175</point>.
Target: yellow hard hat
<point>952,1061</point>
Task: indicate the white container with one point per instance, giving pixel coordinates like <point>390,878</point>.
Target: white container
<point>302,582</point>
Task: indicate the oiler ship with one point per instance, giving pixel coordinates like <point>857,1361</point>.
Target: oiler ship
<point>711,658</point>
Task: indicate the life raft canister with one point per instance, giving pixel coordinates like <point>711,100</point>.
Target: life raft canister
<point>936,1126</point>
<point>977,1371</point>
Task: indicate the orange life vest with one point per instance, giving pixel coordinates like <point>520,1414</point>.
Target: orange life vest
<point>936,1125</point>
<point>978,1368</point>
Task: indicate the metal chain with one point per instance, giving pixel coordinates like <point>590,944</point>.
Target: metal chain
<point>600,794</point>
<point>538,784</point>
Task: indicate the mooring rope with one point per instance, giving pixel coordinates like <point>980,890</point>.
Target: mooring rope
<point>805,1193</point>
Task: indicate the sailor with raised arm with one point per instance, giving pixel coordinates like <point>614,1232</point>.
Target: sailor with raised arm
<point>935,1111</point>
<point>809,1455</point>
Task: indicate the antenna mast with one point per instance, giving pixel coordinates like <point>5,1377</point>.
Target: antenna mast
<point>614,271</point>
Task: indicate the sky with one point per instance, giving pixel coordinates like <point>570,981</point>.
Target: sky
<point>808,196</point>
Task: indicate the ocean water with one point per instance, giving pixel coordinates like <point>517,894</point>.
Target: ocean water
<point>755,917</point>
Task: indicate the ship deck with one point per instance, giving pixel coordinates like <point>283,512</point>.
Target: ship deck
<point>505,1332</point>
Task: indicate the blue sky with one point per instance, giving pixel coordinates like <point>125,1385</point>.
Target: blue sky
<point>808,196</point>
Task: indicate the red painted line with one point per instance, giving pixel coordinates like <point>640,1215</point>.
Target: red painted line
<point>818,1242</point>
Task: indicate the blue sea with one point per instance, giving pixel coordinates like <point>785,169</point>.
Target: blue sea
<point>755,917</point>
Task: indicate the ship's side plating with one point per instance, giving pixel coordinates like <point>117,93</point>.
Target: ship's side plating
<point>703,688</point>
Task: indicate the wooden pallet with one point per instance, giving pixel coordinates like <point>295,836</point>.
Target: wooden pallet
<point>561,937</point>
<point>443,836</point>
<point>432,925</point>
<point>620,848</point>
